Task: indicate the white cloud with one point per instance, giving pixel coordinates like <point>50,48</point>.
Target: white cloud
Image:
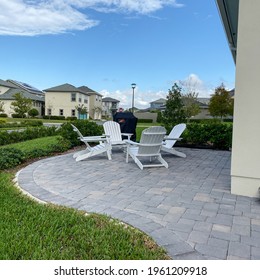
<point>38,17</point>
<point>143,99</point>
<point>195,84</point>
<point>29,18</point>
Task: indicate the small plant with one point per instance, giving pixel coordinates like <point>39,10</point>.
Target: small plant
<point>87,128</point>
<point>33,113</point>
<point>10,157</point>
<point>215,135</point>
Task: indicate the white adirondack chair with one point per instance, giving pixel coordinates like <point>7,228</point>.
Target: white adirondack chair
<point>172,138</point>
<point>149,147</point>
<point>102,147</point>
<point>113,131</point>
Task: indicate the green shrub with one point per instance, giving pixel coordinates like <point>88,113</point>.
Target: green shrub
<point>31,123</point>
<point>24,123</point>
<point>17,116</point>
<point>216,135</point>
<point>86,127</point>
<point>204,121</point>
<point>33,112</point>
<point>159,117</point>
<point>26,134</point>
<point>10,157</point>
<point>54,117</point>
<point>71,118</point>
<point>145,120</point>
<point>30,149</point>
<point>62,145</point>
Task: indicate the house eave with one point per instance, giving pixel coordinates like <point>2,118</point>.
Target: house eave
<point>228,10</point>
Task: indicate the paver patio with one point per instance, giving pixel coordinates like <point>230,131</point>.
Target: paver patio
<point>188,209</point>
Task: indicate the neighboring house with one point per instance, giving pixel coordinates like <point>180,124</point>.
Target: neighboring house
<point>241,21</point>
<point>95,102</point>
<point>109,106</point>
<point>203,103</point>
<point>10,87</point>
<point>157,104</point>
<point>64,100</point>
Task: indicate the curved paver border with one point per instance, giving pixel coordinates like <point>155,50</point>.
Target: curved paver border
<point>184,208</point>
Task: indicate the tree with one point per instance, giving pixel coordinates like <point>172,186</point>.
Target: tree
<point>82,111</point>
<point>21,105</point>
<point>33,113</point>
<point>191,107</point>
<point>189,88</point>
<point>97,111</point>
<point>221,104</point>
<point>174,112</point>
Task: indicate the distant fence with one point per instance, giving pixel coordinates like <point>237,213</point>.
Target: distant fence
<point>146,116</point>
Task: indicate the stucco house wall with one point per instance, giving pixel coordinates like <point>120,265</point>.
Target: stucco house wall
<point>245,168</point>
<point>62,101</point>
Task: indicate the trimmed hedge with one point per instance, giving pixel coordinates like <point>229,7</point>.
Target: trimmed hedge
<point>11,157</point>
<point>145,120</point>
<point>26,134</point>
<point>24,123</point>
<point>215,135</point>
<point>86,127</point>
<point>54,117</point>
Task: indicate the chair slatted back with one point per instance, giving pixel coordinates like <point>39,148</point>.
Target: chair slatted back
<point>151,140</point>
<point>175,133</point>
<point>112,129</point>
<point>81,137</point>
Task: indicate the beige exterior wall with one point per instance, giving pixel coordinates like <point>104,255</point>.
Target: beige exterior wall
<point>245,168</point>
<point>107,106</point>
<point>57,101</point>
<point>95,102</point>
<point>9,111</point>
<point>7,107</point>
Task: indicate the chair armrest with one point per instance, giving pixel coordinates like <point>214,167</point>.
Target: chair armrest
<point>127,134</point>
<point>129,142</point>
<point>94,138</point>
<point>170,138</point>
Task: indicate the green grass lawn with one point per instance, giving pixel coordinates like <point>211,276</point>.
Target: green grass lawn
<point>30,231</point>
<point>38,143</point>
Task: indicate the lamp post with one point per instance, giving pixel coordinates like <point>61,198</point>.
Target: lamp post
<point>133,87</point>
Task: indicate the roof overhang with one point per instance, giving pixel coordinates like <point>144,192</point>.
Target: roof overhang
<point>228,10</point>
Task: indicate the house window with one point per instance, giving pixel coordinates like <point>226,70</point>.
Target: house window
<point>80,100</point>
<point>73,112</point>
<point>86,101</point>
<point>73,97</point>
<point>61,112</point>
<point>49,112</point>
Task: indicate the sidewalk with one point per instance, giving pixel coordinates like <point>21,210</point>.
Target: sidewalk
<point>187,209</point>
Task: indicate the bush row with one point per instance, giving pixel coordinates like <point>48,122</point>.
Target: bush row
<point>210,120</point>
<point>12,157</point>
<point>21,124</point>
<point>145,120</point>
<point>215,135</point>
<point>86,127</point>
<point>26,134</point>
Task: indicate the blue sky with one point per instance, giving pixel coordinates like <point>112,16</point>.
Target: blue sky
<point>109,44</point>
